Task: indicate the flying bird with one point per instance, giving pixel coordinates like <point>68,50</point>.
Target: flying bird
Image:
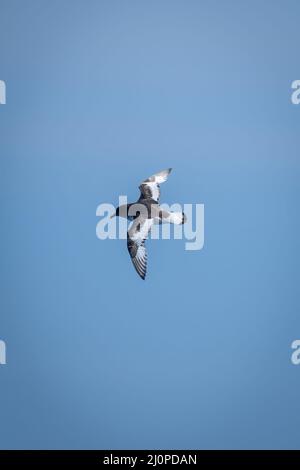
<point>143,213</point>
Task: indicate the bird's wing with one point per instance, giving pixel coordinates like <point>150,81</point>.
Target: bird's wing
<point>150,187</point>
<point>136,236</point>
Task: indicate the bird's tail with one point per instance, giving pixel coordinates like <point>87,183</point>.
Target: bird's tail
<point>176,218</point>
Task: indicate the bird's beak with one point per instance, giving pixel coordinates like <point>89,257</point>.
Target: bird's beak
<point>113,215</point>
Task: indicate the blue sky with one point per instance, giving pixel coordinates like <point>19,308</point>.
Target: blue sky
<point>100,95</point>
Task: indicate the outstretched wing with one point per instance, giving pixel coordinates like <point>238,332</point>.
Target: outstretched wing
<point>150,187</point>
<point>136,236</point>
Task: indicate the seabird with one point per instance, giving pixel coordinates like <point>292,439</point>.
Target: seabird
<point>143,213</point>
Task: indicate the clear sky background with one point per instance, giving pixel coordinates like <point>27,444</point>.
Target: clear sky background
<point>100,95</point>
